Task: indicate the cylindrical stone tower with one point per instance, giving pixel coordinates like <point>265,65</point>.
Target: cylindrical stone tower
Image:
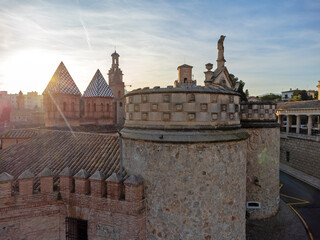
<point>259,120</point>
<point>187,145</point>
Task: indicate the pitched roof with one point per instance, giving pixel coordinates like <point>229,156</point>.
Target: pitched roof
<point>20,133</point>
<point>60,149</point>
<point>98,87</point>
<point>299,104</point>
<point>184,66</point>
<point>62,82</point>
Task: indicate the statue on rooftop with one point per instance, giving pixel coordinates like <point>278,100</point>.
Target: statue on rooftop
<point>221,48</point>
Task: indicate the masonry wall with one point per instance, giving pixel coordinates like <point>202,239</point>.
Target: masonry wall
<point>263,171</point>
<point>43,215</point>
<point>193,191</point>
<point>302,154</point>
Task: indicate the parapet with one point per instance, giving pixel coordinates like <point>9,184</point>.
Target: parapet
<point>113,188</point>
<point>185,108</point>
<point>258,114</point>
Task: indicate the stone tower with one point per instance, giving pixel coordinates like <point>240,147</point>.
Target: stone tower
<point>62,100</point>
<point>318,86</point>
<point>187,145</point>
<point>117,86</point>
<point>20,101</point>
<point>98,102</point>
<point>184,76</point>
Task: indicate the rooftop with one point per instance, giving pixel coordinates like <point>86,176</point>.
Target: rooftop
<point>299,104</point>
<point>62,82</point>
<point>98,87</point>
<point>57,150</point>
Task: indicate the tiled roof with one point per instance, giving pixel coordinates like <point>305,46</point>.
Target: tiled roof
<point>57,150</point>
<point>20,133</point>
<point>62,82</point>
<point>299,104</point>
<point>98,87</point>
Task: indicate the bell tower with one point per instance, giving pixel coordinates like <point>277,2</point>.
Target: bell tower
<point>117,87</point>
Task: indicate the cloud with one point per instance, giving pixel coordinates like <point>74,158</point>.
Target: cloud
<point>268,45</point>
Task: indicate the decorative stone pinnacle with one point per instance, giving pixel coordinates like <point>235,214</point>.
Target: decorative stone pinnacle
<point>133,179</point>
<point>4,177</point>
<point>97,176</point>
<point>82,174</point>
<point>114,178</point>
<point>26,174</point>
<point>46,172</point>
<point>67,172</point>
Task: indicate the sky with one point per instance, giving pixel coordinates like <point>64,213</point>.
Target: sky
<point>271,45</point>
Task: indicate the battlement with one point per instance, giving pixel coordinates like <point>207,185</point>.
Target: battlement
<point>258,114</point>
<point>72,186</point>
<point>194,107</point>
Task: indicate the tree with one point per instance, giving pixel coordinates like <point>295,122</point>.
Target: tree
<point>300,95</point>
<point>240,85</point>
<point>270,97</point>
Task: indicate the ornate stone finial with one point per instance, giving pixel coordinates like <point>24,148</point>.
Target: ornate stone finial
<point>221,59</point>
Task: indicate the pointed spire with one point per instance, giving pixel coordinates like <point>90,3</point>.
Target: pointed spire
<point>98,87</point>
<point>62,82</point>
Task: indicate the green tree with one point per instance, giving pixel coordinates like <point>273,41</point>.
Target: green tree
<point>240,85</point>
<point>271,97</point>
<point>300,95</point>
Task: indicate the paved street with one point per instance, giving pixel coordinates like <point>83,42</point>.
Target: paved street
<point>305,199</point>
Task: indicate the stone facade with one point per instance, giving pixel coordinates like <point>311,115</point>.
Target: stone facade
<point>263,171</point>
<point>184,76</point>
<point>26,215</point>
<point>182,108</point>
<point>99,111</point>
<point>193,191</point>
<point>301,152</point>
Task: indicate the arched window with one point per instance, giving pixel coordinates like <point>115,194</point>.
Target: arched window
<point>64,106</point>
<point>119,94</point>
<point>88,110</point>
<point>72,106</point>
<point>108,109</point>
<point>101,107</point>
<point>94,107</point>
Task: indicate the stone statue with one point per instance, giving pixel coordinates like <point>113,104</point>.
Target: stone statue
<point>221,48</point>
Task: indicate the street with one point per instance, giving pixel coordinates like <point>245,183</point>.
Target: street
<point>305,199</point>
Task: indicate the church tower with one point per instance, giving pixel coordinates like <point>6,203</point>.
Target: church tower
<point>117,86</point>
<point>62,100</point>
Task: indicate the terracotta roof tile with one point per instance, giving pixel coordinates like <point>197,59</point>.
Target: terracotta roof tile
<point>21,133</point>
<point>60,149</point>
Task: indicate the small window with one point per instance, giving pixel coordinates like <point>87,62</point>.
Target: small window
<point>94,107</point>
<point>76,229</point>
<point>288,156</point>
<point>185,80</point>
<point>108,108</point>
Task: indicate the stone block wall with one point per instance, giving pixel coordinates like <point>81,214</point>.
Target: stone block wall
<point>193,191</point>
<point>263,171</point>
<point>258,111</point>
<point>27,215</point>
<point>171,108</point>
<point>299,153</point>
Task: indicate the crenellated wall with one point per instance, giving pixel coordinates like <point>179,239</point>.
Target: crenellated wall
<point>182,108</point>
<point>113,208</point>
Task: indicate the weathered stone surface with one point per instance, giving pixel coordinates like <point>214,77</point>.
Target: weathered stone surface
<point>263,171</point>
<point>194,191</point>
